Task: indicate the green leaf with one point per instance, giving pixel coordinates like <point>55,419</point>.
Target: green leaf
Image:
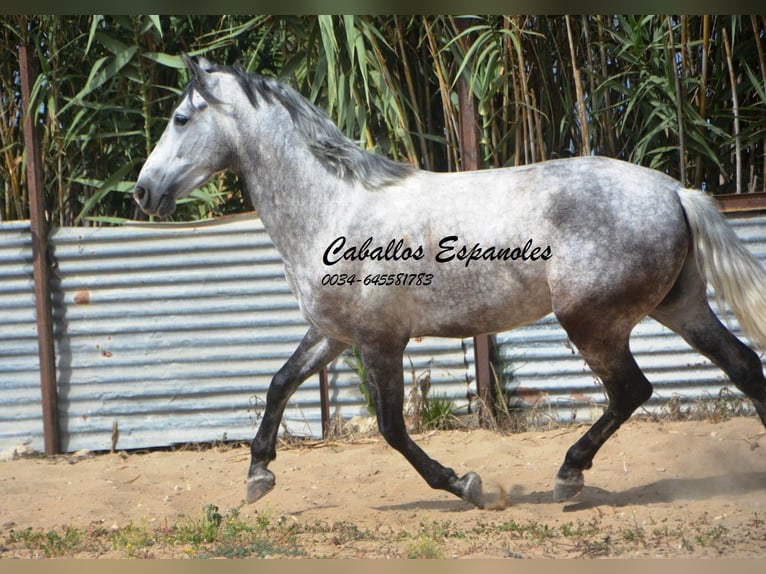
<point>95,21</point>
<point>155,20</point>
<point>167,60</point>
<point>102,72</point>
<point>330,46</point>
<point>757,85</point>
<point>111,43</point>
<point>105,188</point>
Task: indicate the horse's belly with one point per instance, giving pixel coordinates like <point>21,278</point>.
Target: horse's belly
<point>484,306</point>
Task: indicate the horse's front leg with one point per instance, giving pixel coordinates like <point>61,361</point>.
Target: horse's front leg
<point>385,378</point>
<point>313,353</point>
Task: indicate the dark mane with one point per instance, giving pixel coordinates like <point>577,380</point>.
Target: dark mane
<point>328,144</point>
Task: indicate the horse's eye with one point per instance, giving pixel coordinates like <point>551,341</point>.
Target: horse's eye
<point>180,120</point>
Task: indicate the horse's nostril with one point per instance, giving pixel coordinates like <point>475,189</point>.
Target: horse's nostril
<point>139,194</point>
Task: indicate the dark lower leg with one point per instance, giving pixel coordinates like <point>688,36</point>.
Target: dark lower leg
<point>627,388</point>
<point>386,384</point>
<point>579,457</point>
<point>313,353</point>
<point>699,326</point>
<point>740,363</point>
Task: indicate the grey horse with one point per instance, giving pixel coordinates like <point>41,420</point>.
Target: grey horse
<point>378,252</point>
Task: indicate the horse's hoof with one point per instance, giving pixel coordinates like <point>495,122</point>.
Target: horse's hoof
<point>471,489</point>
<point>568,487</point>
<point>259,484</point>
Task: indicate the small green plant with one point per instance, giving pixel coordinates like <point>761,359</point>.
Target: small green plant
<point>51,543</point>
<point>211,522</point>
<point>429,412</point>
<point>715,534</point>
<point>425,548</point>
<point>635,534</point>
<point>579,529</point>
<point>437,413</point>
<point>364,388</point>
<point>133,540</point>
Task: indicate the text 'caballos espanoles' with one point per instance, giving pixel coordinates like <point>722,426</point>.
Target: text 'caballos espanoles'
<point>451,249</point>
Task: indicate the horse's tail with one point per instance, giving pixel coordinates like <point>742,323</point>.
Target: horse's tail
<point>736,276</point>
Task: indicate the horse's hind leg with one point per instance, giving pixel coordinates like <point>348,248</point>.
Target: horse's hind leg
<point>385,378</point>
<point>687,312</point>
<point>313,353</point>
<point>607,352</point>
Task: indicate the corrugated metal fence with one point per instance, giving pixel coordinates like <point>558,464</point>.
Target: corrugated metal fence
<point>172,332</point>
<point>20,398</point>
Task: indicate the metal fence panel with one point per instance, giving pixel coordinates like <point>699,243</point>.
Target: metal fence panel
<point>20,411</point>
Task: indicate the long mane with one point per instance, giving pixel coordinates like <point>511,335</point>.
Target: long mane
<point>328,144</point>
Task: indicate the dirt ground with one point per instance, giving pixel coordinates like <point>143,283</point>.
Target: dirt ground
<point>670,489</point>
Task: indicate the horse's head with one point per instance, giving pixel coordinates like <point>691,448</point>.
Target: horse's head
<point>194,146</point>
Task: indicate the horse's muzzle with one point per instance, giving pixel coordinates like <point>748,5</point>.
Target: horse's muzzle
<point>162,207</point>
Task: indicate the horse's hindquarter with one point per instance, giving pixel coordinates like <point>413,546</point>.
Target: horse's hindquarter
<point>478,252</point>
<point>620,242</point>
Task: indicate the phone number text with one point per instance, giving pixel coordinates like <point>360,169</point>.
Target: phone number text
<point>379,279</point>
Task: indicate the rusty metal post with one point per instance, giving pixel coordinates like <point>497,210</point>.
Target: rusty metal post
<point>469,156</point>
<point>324,401</point>
<point>39,227</point>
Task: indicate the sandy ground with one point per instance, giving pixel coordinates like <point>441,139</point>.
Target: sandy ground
<point>656,489</point>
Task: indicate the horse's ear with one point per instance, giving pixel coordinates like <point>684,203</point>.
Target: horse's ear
<point>204,64</point>
<point>200,70</point>
<point>196,69</point>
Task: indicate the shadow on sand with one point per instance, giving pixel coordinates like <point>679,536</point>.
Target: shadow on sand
<point>663,490</point>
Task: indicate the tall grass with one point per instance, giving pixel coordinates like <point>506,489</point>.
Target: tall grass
<point>683,94</point>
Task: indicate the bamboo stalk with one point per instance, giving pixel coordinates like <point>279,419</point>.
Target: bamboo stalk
<point>762,64</point>
<point>528,129</point>
<point>450,122</point>
<point>610,124</point>
<point>735,109</point>
<point>411,91</point>
<point>591,79</point>
<point>679,110</point>
<point>507,92</point>
<point>580,96</point>
<point>703,90</point>
<point>401,117</point>
<point>538,129</point>
<point>426,62</point>
<point>517,119</point>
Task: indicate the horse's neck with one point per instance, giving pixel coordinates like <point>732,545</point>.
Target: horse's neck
<point>293,193</point>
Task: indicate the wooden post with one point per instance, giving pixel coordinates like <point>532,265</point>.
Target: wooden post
<point>324,401</point>
<point>39,227</point>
